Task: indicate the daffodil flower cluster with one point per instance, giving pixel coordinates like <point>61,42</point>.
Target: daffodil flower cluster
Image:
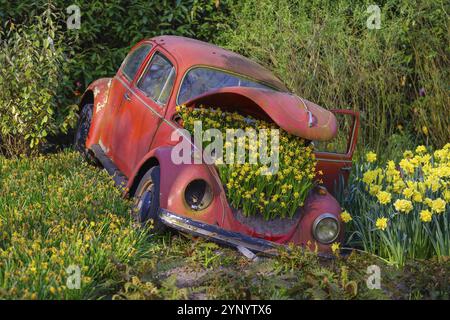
<point>252,187</point>
<point>56,212</point>
<point>406,203</point>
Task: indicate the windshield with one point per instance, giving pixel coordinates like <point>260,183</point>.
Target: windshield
<point>201,80</point>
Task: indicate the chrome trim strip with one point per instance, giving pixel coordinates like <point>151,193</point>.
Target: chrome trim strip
<point>334,160</point>
<point>215,232</point>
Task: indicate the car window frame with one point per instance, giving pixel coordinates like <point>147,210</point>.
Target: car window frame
<point>126,76</point>
<point>221,70</point>
<point>144,69</point>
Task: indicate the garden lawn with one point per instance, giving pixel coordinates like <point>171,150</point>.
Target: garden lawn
<point>56,211</point>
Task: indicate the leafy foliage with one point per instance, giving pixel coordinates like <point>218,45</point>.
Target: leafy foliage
<point>32,61</point>
<point>397,76</point>
<point>110,28</point>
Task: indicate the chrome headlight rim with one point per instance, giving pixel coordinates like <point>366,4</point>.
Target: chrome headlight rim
<point>208,194</point>
<point>319,219</point>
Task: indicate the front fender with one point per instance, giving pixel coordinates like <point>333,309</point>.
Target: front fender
<point>173,181</point>
<point>99,90</point>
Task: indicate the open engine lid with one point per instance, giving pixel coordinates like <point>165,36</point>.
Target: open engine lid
<point>296,115</point>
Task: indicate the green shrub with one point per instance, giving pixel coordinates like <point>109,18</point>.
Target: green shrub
<point>31,60</point>
<point>110,28</point>
<point>396,75</point>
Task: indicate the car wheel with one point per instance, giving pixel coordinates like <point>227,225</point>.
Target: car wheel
<point>84,124</point>
<point>146,203</point>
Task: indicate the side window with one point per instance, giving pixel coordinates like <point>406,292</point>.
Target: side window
<point>158,78</point>
<point>134,60</point>
<point>341,143</point>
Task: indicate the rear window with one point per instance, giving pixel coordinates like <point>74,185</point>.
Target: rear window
<point>201,80</point>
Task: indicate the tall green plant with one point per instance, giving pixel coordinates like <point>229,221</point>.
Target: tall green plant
<point>108,29</point>
<point>396,75</point>
<point>31,60</point>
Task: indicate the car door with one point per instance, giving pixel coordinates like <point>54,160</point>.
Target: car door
<point>334,157</point>
<point>119,84</point>
<point>142,111</point>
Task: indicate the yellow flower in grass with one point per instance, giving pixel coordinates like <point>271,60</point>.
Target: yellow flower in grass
<point>381,223</point>
<point>408,154</point>
<point>346,217</point>
<point>384,197</point>
<point>398,186</point>
<point>417,197</point>
<point>402,205</point>
<point>438,205</point>
<point>371,157</point>
<point>421,149</point>
<point>407,166</point>
<point>425,215</point>
<point>335,247</point>
<point>408,192</point>
<point>374,189</point>
<point>446,196</point>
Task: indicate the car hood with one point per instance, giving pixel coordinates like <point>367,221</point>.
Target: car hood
<point>296,115</point>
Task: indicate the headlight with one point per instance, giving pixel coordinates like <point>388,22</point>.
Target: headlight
<point>198,195</point>
<point>326,228</point>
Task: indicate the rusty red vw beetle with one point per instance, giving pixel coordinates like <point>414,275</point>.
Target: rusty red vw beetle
<point>126,122</point>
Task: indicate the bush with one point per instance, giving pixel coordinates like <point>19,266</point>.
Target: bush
<point>396,76</point>
<point>31,60</point>
<point>110,28</point>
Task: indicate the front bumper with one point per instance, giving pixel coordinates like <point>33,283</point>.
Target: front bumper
<point>234,239</point>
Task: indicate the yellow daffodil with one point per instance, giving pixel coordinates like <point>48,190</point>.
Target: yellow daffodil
<point>346,217</point>
<point>335,247</point>
<point>438,205</point>
<point>402,205</point>
<point>425,216</point>
<point>384,197</point>
<point>381,223</point>
<point>421,149</point>
<point>371,157</point>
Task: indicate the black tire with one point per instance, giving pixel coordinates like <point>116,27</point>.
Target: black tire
<point>146,201</point>
<point>84,124</point>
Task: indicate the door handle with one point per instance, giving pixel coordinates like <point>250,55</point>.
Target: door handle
<point>346,168</point>
<point>127,96</point>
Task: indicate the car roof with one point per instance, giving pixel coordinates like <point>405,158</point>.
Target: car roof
<point>190,52</point>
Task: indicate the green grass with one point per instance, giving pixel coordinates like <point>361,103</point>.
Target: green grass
<point>57,211</point>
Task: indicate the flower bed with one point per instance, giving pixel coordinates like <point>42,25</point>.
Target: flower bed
<point>400,211</point>
<point>252,187</point>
